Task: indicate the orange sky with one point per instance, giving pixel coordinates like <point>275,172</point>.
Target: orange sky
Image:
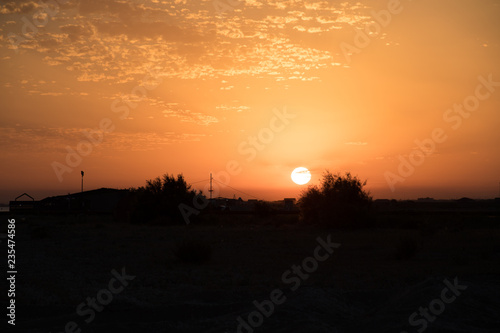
<point>185,87</point>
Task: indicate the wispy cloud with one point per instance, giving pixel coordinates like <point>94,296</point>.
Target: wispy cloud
<point>55,139</point>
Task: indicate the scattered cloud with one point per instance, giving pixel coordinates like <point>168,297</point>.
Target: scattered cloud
<point>50,139</point>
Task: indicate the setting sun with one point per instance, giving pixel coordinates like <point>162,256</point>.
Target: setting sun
<point>195,162</point>
<point>129,90</point>
<point>301,176</point>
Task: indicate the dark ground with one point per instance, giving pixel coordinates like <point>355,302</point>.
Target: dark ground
<point>373,282</point>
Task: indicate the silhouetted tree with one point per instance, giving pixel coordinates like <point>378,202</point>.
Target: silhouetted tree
<point>339,201</point>
<point>159,200</point>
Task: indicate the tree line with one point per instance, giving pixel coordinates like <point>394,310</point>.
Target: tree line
<point>339,201</point>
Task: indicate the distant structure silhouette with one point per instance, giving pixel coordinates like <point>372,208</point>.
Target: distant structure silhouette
<point>82,180</point>
<point>211,189</point>
<point>22,205</point>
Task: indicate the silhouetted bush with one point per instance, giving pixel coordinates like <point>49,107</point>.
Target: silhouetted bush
<point>192,251</point>
<point>158,201</point>
<point>340,201</point>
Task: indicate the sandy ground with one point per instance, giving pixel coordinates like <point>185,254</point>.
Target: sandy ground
<point>361,287</point>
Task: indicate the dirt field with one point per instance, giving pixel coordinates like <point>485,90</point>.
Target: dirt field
<point>373,282</point>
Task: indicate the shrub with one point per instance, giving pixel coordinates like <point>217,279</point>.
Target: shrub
<point>339,201</point>
<point>159,200</point>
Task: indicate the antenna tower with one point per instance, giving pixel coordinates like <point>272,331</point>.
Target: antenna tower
<point>211,189</point>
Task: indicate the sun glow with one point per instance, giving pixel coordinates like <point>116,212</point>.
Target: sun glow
<point>301,176</point>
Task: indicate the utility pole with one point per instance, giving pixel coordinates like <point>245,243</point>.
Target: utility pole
<point>211,190</point>
<point>82,180</point>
